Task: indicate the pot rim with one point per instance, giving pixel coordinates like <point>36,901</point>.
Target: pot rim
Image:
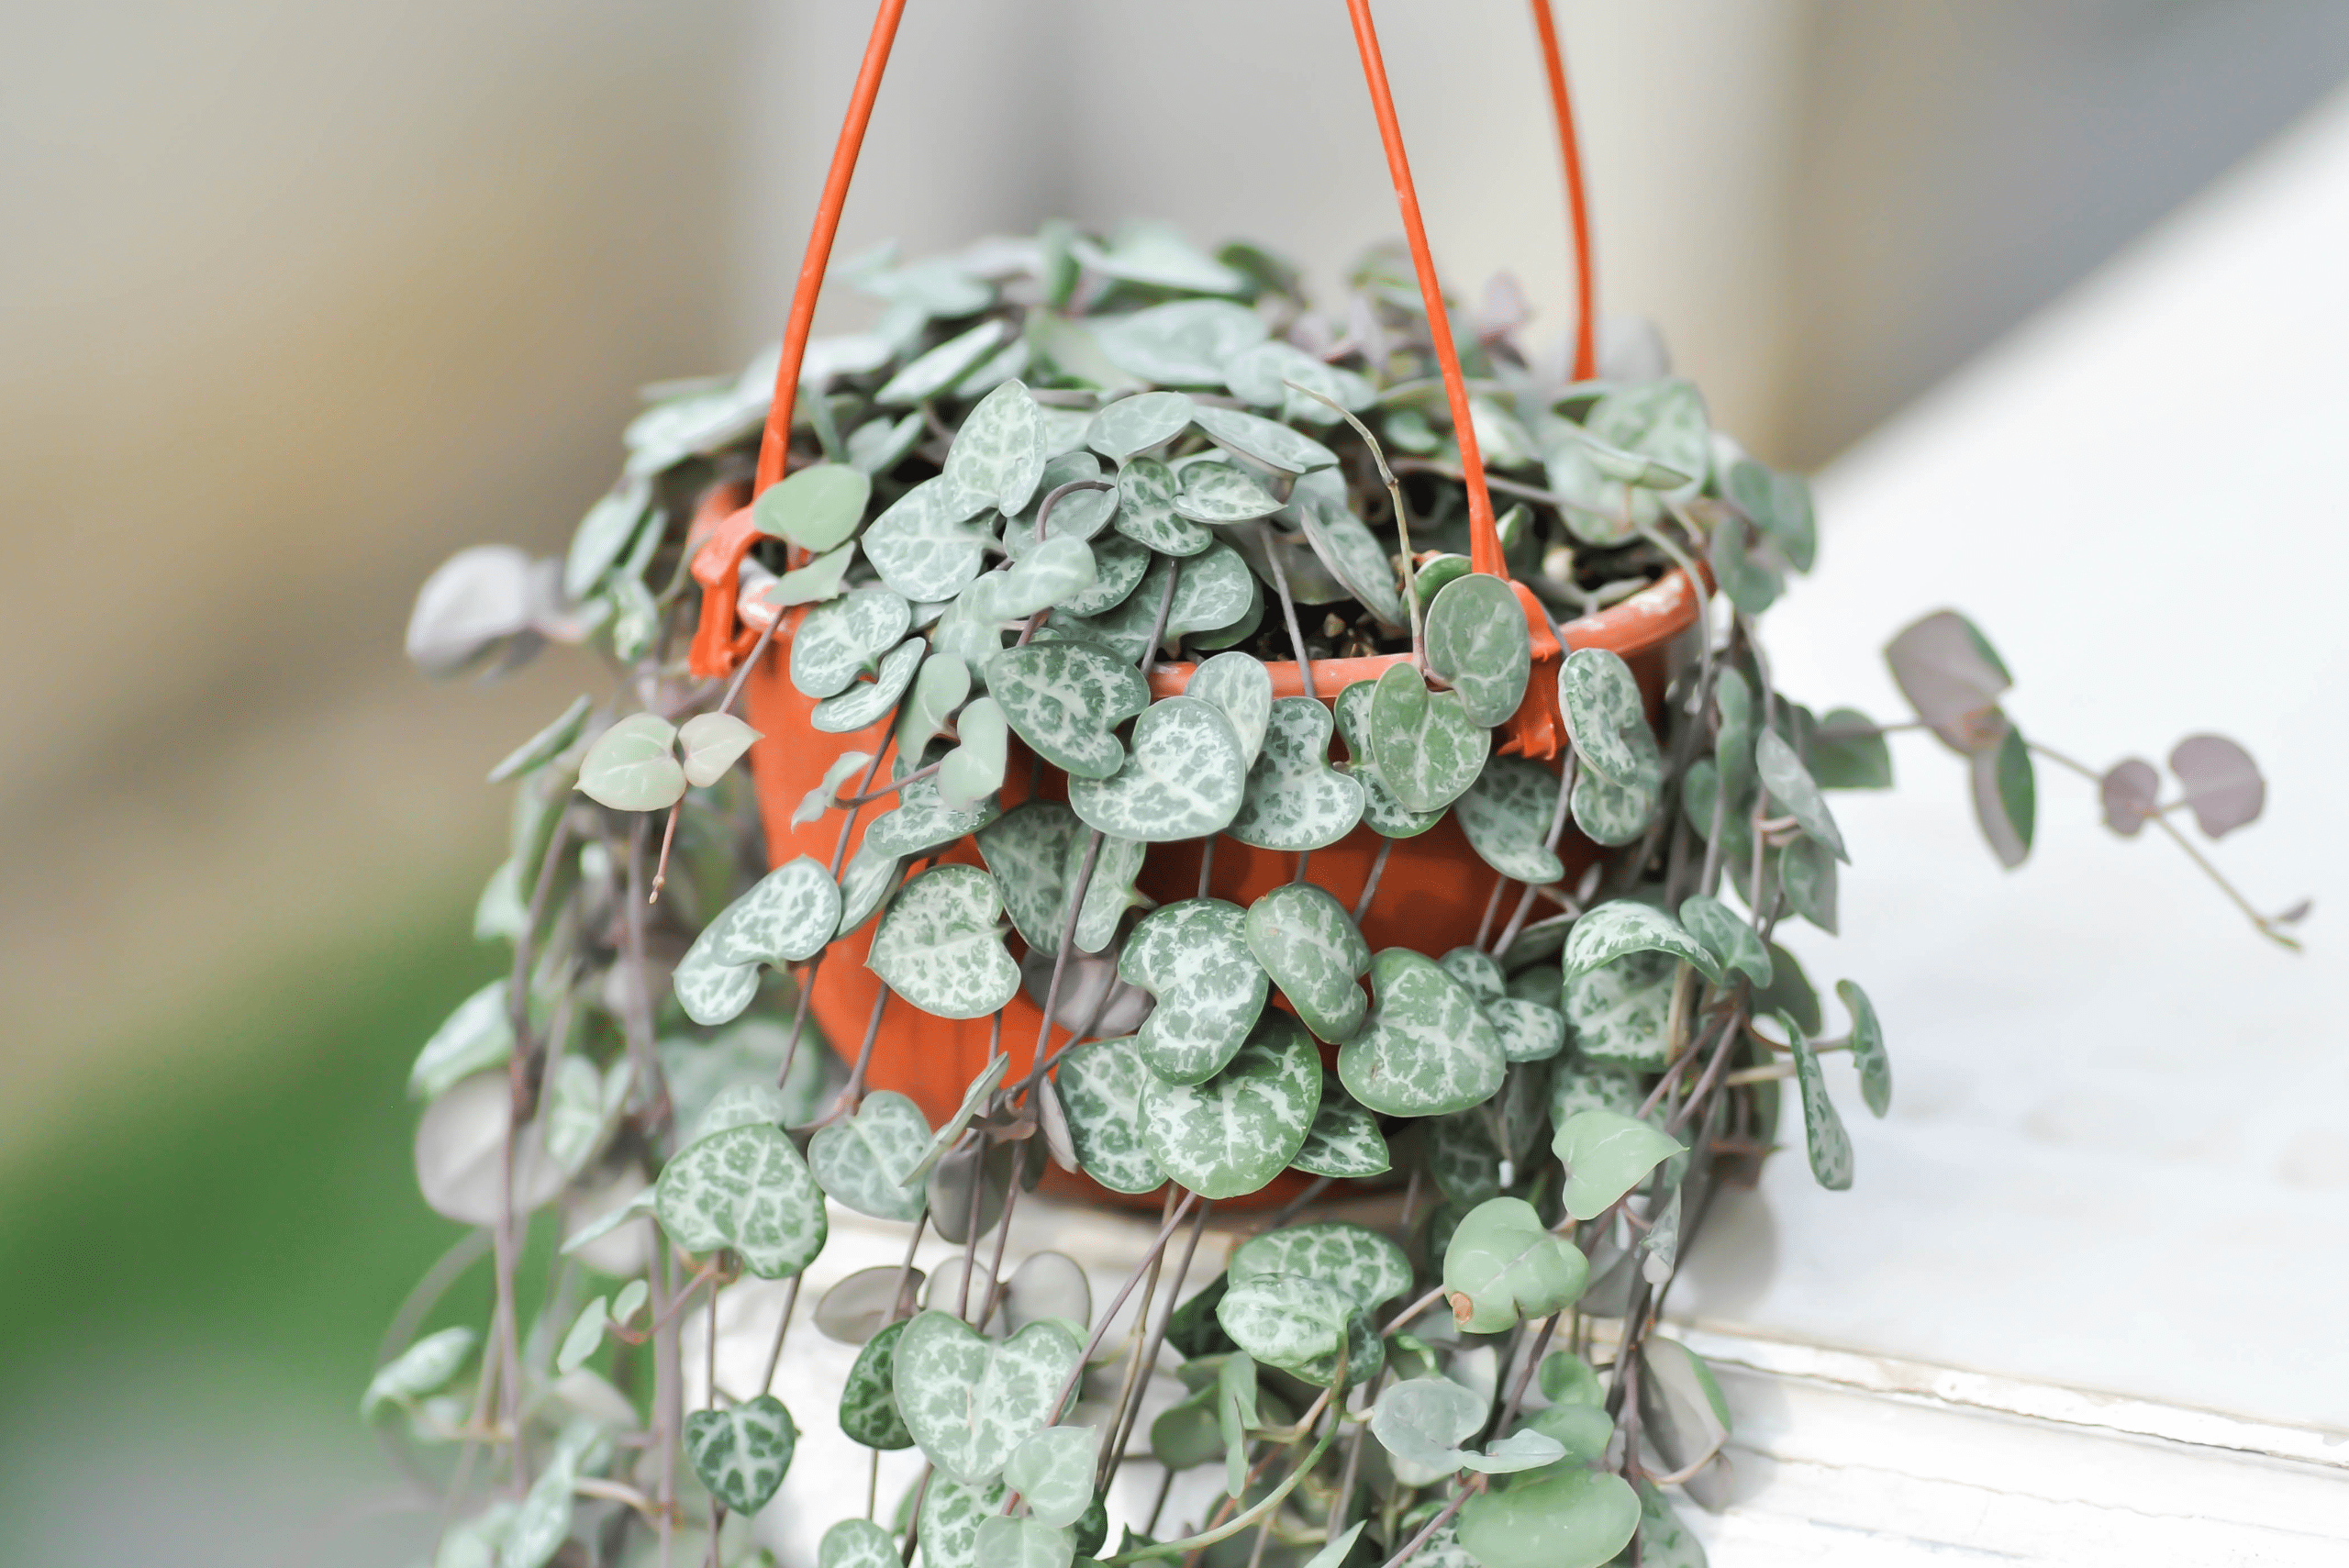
<point>1657,613</point>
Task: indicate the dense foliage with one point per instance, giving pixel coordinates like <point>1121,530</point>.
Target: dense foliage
<point>1050,467</point>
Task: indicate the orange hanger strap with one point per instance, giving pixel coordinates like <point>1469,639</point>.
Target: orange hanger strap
<point>1577,211</point>
<point>819,240</point>
<point>1483,533</point>
<point>719,536</point>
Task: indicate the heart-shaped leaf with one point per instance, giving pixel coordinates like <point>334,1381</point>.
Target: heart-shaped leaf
<point>1044,575</point>
<point>1267,442</point>
<point>1477,640</point>
<point>1806,872</point>
<point>1867,1048</point>
<point>1299,1325</point>
<point>814,583</point>
<point>1075,515</point>
<point>1623,926</point>
<point>710,992</point>
<point>1425,1049</point>
<point>1146,491</point>
<point>2222,783</point>
<point>1101,1087</point>
<point>1003,1541</point>
<point>1848,751</point>
<point>1608,721</point>
<point>938,948</point>
<point>1478,970</point>
<point>1829,1145</point>
<point>1384,815</point>
<point>1119,564</point>
<point>1729,939</point>
<point>865,886</point>
<point>1427,750</point>
<point>1344,1139</point>
<point>1236,1131</point>
<point>1135,424</point>
<point>1364,1267</point>
<point>1110,892</point>
<point>1294,800</point>
<point>1578,1087</point>
<point>1529,1030</point>
<point>939,688</point>
<point>1746,568</point>
<point>747,1189</point>
<point>2006,794</point>
<point>631,766</point>
<point>1183,779</point>
<point>1064,699</point>
<point>478,1034</point>
<point>740,1454</point>
<point>1664,420</point>
<point>867,703</point>
<point>921,822</point>
<point>1952,677</point>
<point>1309,946</point>
<point>999,453</point>
<point>1215,592</point>
<point>951,1515</point>
<point>1054,1473</point>
<point>1193,957</point>
<point>867,1302</point>
<point>973,770</point>
<point>937,371</point>
<point>1503,1265</point>
<point>1027,850</point>
<point>1270,374</point>
<point>858,1543</point>
<point>840,639</point>
<point>868,1161</point>
<point>1609,813</point>
<point>1575,1519</point>
<point>1219,493</point>
<point>1506,815</point>
<point>1242,688</point>
<point>1463,1157</point>
<point>787,914</point>
<point>869,1397</point>
<point>925,546</point>
<point>1618,1011</point>
<point>1352,553</point>
<point>424,1366</point>
<point>1423,1421</point>
<point>1789,783</point>
<point>1607,1155</point>
<point>971,1402</point>
<point>816,508</point>
<point>1187,343</point>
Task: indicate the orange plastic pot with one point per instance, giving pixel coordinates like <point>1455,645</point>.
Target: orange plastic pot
<point>1431,896</point>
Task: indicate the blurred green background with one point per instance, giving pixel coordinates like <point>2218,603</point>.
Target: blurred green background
<point>301,297</point>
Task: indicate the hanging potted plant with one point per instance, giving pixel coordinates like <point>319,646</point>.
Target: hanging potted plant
<point>1035,610</point>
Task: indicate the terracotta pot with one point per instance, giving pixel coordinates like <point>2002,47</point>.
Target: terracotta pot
<point>1431,897</point>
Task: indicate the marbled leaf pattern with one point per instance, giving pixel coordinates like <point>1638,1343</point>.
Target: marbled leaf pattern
<point>1194,958</point>
<point>1101,1087</point>
<point>1425,1047</point>
<point>1064,699</point>
<point>1183,778</point>
<point>1308,943</point>
<point>970,1401</point>
<point>747,1189</point>
<point>938,948</point>
<point>1236,1131</point>
<point>742,1452</point>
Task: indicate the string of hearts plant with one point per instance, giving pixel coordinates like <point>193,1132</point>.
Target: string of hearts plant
<point>1053,470</point>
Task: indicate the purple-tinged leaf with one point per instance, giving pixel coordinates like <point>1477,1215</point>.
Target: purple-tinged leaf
<point>1952,677</point>
<point>2222,783</point>
<point>2130,788</point>
<point>2006,797</point>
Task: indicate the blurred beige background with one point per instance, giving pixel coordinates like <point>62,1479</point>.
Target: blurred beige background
<point>298,297</point>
